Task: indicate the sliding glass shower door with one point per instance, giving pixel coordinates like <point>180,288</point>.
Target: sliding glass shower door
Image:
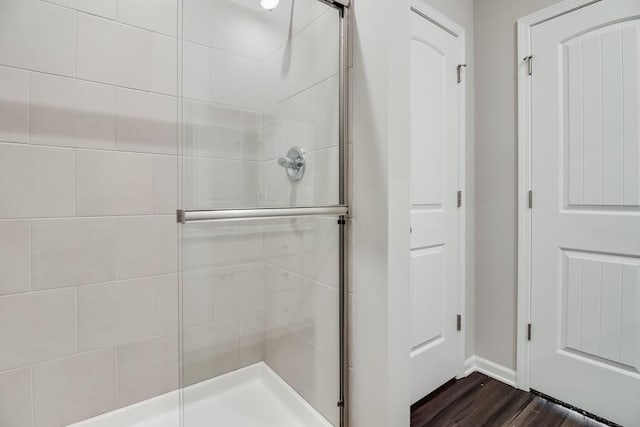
<point>262,234</point>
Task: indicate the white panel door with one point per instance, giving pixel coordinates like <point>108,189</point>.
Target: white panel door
<point>585,300</point>
<point>434,212</point>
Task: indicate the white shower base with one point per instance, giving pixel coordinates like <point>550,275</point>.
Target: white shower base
<point>248,397</point>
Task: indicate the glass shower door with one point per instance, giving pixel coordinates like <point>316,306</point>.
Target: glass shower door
<point>261,238</point>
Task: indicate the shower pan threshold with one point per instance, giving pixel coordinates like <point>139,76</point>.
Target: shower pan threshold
<point>253,396</point>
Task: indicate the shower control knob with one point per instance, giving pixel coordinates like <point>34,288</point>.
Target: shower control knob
<point>294,163</point>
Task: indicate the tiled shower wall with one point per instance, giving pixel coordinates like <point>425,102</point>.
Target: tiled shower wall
<point>266,290</point>
<point>301,256</point>
<point>88,167</point>
<point>223,308</point>
<point>88,191</point>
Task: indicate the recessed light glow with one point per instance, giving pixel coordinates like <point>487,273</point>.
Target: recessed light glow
<point>269,4</point>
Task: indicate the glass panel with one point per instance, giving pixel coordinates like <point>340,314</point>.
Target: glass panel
<point>256,83</point>
<point>260,323</point>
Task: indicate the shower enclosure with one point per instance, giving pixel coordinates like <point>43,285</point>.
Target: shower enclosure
<point>263,213</point>
<point>173,213</point>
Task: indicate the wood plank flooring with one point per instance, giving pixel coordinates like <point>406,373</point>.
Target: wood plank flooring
<point>478,400</point>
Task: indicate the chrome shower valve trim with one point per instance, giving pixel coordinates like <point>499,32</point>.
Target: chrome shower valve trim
<point>294,163</point>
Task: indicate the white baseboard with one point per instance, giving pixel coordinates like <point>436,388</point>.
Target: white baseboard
<point>469,366</point>
<point>490,369</point>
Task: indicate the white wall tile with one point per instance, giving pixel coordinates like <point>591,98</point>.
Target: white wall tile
<point>110,52</point>
<point>213,184</point>
<point>210,245</point>
<point>317,318</point>
<point>309,119</point>
<point>237,81</point>
<point>14,105</point>
<point>245,28</point>
<point>70,252</point>
<point>38,36</point>
<point>311,57</point>
<point>210,350</point>
<point>113,314</point>
<point>214,295</point>
<point>166,304</point>
<point>147,122</point>
<point>250,242</point>
<point>109,183</point>
<point>156,15</point>
<point>251,135</point>
<point>165,184</point>
<point>147,369</point>
<point>163,67</point>
<point>36,327</point>
<point>321,251</point>
<point>105,8</point>
<point>252,339</point>
<point>16,404</point>
<point>147,246</point>
<point>196,23</point>
<point>203,296</point>
<point>15,267</point>
<point>73,389</point>
<point>284,299</point>
<point>284,245</point>
<point>245,290</point>
<point>35,181</point>
<point>211,131</point>
<point>197,72</point>
<point>275,193</point>
<point>72,113</point>
<point>310,371</point>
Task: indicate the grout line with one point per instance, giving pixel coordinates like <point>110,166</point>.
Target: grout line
<point>95,217</point>
<point>77,323</point>
<point>33,397</point>
<point>300,92</point>
<point>267,54</point>
<point>112,20</point>
<point>77,43</point>
<point>30,250</point>
<point>86,80</point>
<point>29,104</point>
<point>100,150</point>
<point>116,353</point>
<point>75,182</point>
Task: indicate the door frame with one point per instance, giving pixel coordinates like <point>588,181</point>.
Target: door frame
<point>524,26</point>
<point>432,15</point>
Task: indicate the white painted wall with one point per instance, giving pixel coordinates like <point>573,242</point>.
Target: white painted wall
<point>496,175</point>
<point>380,266</point>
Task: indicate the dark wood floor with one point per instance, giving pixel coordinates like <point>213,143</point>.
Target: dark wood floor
<point>478,400</point>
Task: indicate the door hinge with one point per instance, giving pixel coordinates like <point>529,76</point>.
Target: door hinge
<point>459,71</point>
<point>529,60</point>
<point>459,198</point>
<point>459,322</point>
<point>529,332</point>
<point>530,199</point>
